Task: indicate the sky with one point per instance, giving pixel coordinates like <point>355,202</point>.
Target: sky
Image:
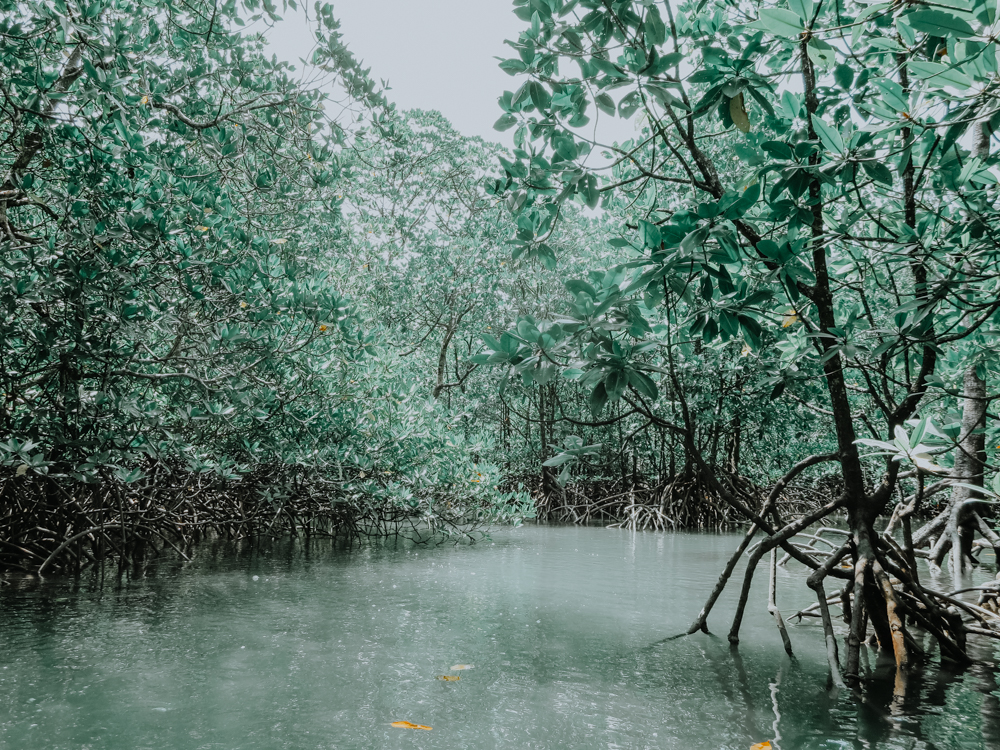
<point>435,54</point>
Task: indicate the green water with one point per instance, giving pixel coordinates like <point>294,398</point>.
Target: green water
<point>564,628</point>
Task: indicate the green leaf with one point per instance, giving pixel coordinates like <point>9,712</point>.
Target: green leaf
<point>843,74</point>
<point>803,8</point>
<point>828,135</point>
<point>778,149</point>
<point>576,286</point>
<point>939,75</point>
<point>877,171</point>
<point>598,398</point>
<point>939,23</point>
<point>694,240</point>
<point>650,235</point>
<point>590,191</point>
<point>629,105</point>
<point>893,94</point>
<point>606,104</point>
<point>506,122</point>
<point>781,22</point>
<point>643,384</point>
<point>614,384</point>
<point>513,67</point>
<point>822,54</point>
<point>559,459</point>
<point>654,27</point>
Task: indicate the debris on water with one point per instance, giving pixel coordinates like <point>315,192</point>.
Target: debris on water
<point>449,677</point>
<point>256,578</point>
<point>460,667</point>
<point>409,725</point>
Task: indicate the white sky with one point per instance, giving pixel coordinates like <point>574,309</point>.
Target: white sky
<point>435,54</point>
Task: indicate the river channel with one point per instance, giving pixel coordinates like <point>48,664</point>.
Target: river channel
<point>564,629</point>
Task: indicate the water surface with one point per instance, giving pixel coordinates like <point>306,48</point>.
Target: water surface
<point>564,627</point>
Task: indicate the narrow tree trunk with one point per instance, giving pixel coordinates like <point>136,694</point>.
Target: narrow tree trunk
<point>970,459</point>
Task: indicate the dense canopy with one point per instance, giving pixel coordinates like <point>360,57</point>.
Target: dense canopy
<point>240,299</point>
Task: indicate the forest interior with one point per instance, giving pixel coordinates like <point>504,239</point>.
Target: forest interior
<point>245,299</point>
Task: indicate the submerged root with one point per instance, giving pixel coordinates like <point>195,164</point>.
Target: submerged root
<point>883,595</point>
<point>689,500</point>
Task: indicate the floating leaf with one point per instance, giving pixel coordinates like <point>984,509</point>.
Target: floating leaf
<point>449,677</point>
<point>761,746</point>
<point>459,667</point>
<point>408,725</point>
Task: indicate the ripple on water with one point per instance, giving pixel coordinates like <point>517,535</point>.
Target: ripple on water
<point>565,628</point>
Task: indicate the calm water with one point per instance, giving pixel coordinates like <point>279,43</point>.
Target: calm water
<point>564,628</point>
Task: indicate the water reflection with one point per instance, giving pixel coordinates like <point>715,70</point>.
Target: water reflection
<point>565,628</point>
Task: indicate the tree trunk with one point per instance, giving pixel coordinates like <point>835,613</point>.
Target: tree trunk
<point>970,461</point>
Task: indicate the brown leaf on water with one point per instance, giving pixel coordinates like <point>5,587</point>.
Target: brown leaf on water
<point>408,725</point>
<point>449,677</point>
<point>761,746</point>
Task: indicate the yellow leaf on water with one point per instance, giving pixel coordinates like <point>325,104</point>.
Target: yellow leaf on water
<point>408,725</point>
<point>449,677</point>
<point>761,746</point>
<point>459,667</point>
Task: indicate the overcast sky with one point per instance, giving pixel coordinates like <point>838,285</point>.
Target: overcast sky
<point>435,54</point>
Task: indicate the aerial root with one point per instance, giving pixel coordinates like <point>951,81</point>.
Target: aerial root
<point>57,527</point>
<point>882,592</point>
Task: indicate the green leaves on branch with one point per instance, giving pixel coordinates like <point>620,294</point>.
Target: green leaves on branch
<point>780,22</point>
<point>939,23</point>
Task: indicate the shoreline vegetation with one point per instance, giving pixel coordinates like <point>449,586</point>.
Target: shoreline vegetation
<point>226,310</point>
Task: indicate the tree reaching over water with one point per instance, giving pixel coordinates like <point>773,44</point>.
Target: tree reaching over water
<point>812,188</point>
<point>174,354</point>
